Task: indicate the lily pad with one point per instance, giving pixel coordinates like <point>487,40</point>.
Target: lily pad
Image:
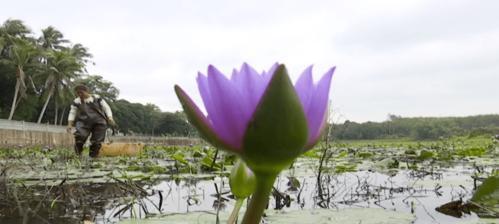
<point>487,194</point>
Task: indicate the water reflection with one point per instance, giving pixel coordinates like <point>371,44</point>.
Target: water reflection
<point>65,203</point>
<point>412,191</point>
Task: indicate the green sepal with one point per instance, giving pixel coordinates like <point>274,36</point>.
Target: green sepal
<point>197,119</point>
<point>277,132</point>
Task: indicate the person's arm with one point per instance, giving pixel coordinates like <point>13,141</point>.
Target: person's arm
<point>108,112</point>
<point>71,117</point>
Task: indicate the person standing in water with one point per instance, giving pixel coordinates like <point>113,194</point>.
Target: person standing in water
<point>89,114</point>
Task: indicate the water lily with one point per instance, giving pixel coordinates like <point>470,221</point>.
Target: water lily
<point>262,117</point>
<point>244,105</point>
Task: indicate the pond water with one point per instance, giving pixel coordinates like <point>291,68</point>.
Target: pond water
<point>55,189</point>
<point>408,191</point>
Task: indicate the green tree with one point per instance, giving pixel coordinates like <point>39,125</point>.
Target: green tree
<point>175,124</point>
<point>81,52</point>
<point>420,128</point>
<point>62,67</point>
<point>17,52</point>
<point>98,85</point>
<point>52,39</point>
<point>14,28</point>
<point>21,53</point>
<point>136,118</point>
<point>2,43</point>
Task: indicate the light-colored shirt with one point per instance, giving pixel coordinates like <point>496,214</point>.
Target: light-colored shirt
<point>105,107</point>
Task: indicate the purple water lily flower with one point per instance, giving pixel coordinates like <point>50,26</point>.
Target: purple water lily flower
<point>232,106</point>
<point>263,118</point>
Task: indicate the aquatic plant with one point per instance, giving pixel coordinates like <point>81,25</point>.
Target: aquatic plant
<point>262,118</point>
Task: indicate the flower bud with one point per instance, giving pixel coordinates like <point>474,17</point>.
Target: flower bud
<point>242,180</point>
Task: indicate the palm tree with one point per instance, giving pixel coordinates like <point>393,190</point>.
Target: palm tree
<point>61,68</point>
<point>51,39</point>
<point>10,31</point>
<point>15,28</point>
<point>20,54</point>
<point>2,43</point>
<point>62,65</point>
<point>17,49</point>
<point>80,52</point>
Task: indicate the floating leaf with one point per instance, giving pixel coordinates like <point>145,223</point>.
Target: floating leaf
<point>487,195</point>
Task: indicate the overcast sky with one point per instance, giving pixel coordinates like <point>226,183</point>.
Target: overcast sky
<point>409,58</point>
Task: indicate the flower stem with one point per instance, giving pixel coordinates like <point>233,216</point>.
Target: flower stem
<point>259,199</point>
<point>235,211</point>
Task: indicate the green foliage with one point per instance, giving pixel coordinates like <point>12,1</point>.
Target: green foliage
<point>178,157</point>
<point>418,128</point>
<point>386,164</point>
<point>207,163</point>
<point>148,119</point>
<point>155,169</point>
<point>343,168</point>
<point>342,154</point>
<point>426,155</point>
<point>365,155</point>
<point>98,85</point>
<point>38,69</point>
<point>47,67</point>
<point>473,151</point>
<point>312,154</point>
<point>487,194</point>
<point>410,152</point>
<point>174,124</point>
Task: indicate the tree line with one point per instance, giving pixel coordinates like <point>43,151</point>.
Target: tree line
<point>418,128</point>
<point>38,74</point>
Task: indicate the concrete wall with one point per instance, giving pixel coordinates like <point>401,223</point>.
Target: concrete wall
<point>20,133</point>
<point>35,138</point>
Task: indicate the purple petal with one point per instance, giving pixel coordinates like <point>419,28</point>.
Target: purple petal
<point>204,126</point>
<point>252,86</point>
<point>305,87</point>
<point>316,111</point>
<point>230,104</point>
<point>204,91</point>
<point>228,115</point>
<point>211,109</point>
